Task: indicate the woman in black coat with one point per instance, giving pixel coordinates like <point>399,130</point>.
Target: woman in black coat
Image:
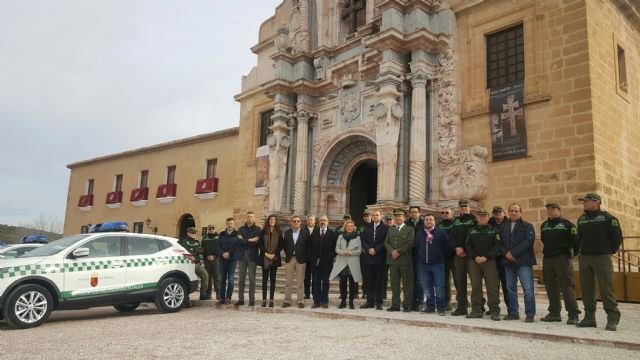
<point>270,245</point>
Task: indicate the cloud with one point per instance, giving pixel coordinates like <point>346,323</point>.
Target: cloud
<point>83,79</point>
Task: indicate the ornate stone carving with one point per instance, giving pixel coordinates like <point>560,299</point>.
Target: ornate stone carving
<point>463,171</point>
<point>350,104</point>
<point>295,37</point>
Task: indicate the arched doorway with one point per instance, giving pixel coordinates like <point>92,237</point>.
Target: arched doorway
<point>362,189</point>
<point>186,221</point>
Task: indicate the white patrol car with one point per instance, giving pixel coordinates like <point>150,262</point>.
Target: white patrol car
<point>102,269</point>
<point>13,251</point>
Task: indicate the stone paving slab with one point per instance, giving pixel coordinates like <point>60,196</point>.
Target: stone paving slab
<point>626,337</point>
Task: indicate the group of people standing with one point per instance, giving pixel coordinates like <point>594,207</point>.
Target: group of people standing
<point>419,256</point>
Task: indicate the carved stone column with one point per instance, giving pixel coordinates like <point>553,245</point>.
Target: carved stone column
<point>279,143</point>
<point>301,178</point>
<point>418,153</point>
<point>388,113</point>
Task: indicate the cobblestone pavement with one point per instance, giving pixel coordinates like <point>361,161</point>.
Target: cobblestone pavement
<point>210,332</point>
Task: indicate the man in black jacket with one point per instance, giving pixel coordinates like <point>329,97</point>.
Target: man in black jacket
<point>445,225</point>
<point>210,245</point>
<point>321,255</point>
<point>417,224</point>
<point>313,230</point>
<point>374,258</point>
<point>560,239</point>
<point>247,257</point>
<point>599,236</point>
<point>296,248</point>
<point>458,238</point>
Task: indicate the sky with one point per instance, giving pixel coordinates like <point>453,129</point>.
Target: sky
<point>86,78</point>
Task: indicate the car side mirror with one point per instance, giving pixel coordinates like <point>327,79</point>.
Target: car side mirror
<point>80,252</point>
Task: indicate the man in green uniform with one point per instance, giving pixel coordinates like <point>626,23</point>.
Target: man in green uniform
<point>192,245</point>
<point>482,247</point>
<point>210,244</point>
<point>458,237</point>
<point>399,244</point>
<point>560,239</point>
<point>445,225</point>
<point>599,236</point>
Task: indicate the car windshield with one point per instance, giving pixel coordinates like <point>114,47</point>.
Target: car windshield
<point>54,247</point>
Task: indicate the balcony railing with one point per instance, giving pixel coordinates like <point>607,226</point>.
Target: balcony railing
<point>85,202</point>
<point>114,197</point>
<point>207,188</point>
<point>166,193</point>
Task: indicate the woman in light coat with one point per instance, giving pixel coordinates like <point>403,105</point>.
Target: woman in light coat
<point>347,265</point>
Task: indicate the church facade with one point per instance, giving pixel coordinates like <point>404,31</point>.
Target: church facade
<point>392,103</point>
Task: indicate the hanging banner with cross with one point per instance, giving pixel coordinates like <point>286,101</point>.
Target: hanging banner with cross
<point>506,114</point>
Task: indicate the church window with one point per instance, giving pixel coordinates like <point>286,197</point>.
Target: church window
<point>265,122</point>
<point>353,13</point>
<point>505,56</point>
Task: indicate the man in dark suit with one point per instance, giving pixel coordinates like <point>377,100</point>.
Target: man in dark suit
<point>374,259</point>
<point>313,231</point>
<point>321,255</point>
<point>399,244</point>
<point>296,248</point>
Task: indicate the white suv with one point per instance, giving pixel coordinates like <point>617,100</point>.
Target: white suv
<point>102,269</point>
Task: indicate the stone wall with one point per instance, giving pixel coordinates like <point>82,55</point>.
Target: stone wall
<point>560,164</point>
<point>616,114</point>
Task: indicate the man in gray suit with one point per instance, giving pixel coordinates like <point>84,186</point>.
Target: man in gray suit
<point>399,244</point>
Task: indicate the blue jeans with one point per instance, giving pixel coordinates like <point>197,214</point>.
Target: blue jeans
<point>525,274</point>
<point>432,278</point>
<point>227,270</point>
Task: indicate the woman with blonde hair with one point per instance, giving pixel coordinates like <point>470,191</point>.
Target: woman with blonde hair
<point>347,265</point>
<point>269,247</point>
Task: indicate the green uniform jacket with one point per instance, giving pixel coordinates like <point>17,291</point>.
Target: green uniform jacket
<point>210,245</point>
<point>460,229</point>
<point>559,236</point>
<point>599,233</point>
<point>483,241</point>
<point>193,246</point>
<point>402,241</point>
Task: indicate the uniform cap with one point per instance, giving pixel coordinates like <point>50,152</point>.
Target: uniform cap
<point>497,209</point>
<point>346,217</point>
<point>192,230</point>
<point>482,212</point>
<point>388,216</point>
<point>591,196</point>
<point>463,202</point>
<point>398,211</point>
<point>211,226</point>
<point>366,212</point>
<point>552,205</point>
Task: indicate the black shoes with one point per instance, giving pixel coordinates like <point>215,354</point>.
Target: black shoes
<point>239,303</point>
<point>264,303</point>
<point>459,312</point>
<point>378,307</point>
<point>586,323</point>
<point>611,326</point>
<point>551,318</point>
<point>393,308</point>
<point>205,297</point>
<point>285,305</point>
<point>529,319</point>
<point>473,315</point>
<point>351,306</point>
<point>495,317</point>
<point>366,306</point>
<point>270,303</point>
<point>252,303</point>
<point>510,317</point>
<point>342,305</point>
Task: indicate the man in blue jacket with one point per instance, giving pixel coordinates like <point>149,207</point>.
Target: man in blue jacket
<point>432,245</point>
<point>227,242</point>
<point>518,257</point>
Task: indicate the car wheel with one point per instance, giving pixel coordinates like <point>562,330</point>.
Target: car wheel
<point>28,306</point>
<point>126,307</point>
<point>172,295</point>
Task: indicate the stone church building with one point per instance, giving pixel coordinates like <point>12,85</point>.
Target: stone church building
<point>391,103</point>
